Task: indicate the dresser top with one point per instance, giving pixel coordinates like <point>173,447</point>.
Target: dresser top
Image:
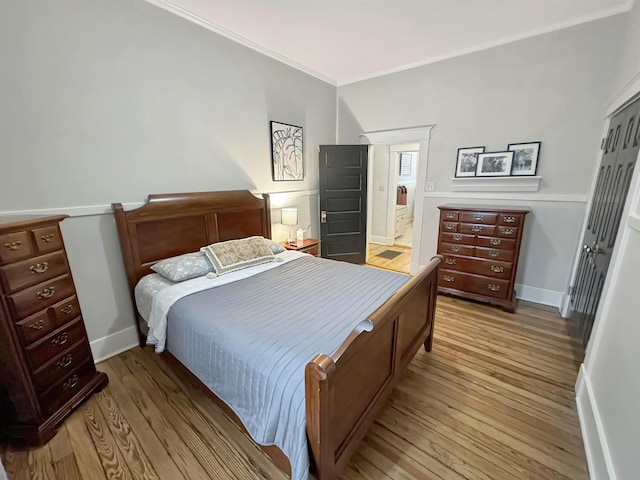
<point>10,223</point>
<point>484,208</point>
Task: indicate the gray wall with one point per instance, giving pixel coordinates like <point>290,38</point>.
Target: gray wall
<point>551,88</point>
<point>109,101</point>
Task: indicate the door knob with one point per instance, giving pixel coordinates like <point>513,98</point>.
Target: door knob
<point>323,216</point>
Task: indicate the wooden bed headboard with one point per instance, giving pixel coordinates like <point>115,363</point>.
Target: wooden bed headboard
<point>173,224</point>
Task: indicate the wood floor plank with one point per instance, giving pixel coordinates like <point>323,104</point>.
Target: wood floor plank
<point>84,449</point>
<point>493,400</point>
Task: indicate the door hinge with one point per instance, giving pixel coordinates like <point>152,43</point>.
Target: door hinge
<point>570,290</point>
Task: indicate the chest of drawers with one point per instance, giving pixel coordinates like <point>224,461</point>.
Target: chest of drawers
<point>480,246</point>
<point>46,366</point>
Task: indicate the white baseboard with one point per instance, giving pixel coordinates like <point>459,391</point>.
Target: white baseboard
<point>381,240</point>
<point>539,295</point>
<point>113,344</point>
<point>595,443</point>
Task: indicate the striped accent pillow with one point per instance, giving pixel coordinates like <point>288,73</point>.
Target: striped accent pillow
<point>237,254</point>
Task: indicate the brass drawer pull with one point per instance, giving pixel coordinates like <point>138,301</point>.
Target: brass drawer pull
<point>450,215</point>
<point>46,293</point>
<point>448,278</point>
<point>508,231</point>
<point>67,310</point>
<point>39,267</point>
<point>450,226</point>
<point>497,269</point>
<point>456,248</point>
<point>65,362</point>
<point>450,261</point>
<point>37,325</point>
<point>47,238</point>
<point>70,383</point>
<point>494,253</point>
<point>493,288</point>
<point>476,229</point>
<point>495,241</point>
<point>13,245</point>
<point>478,217</point>
<point>509,219</point>
<point>457,237</point>
<point>60,339</point>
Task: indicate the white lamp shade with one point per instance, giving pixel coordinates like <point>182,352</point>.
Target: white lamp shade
<point>289,216</point>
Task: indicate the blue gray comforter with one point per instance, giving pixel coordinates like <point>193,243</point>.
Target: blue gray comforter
<point>250,340</point>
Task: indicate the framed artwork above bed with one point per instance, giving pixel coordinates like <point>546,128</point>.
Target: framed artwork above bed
<point>287,161</point>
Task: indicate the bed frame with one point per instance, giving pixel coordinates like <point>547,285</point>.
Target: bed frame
<point>345,391</point>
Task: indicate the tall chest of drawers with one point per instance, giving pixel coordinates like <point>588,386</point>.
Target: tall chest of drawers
<point>480,246</point>
<point>46,366</point>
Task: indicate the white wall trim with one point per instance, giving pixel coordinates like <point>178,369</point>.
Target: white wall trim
<point>89,210</point>
<point>167,5</point>
<point>397,135</point>
<point>539,295</point>
<point>538,197</point>
<point>115,343</point>
<point>496,43</point>
<point>496,184</point>
<point>382,240</point>
<point>595,440</point>
<point>624,95</point>
<point>634,222</point>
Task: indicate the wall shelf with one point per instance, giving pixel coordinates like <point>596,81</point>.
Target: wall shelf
<point>496,184</point>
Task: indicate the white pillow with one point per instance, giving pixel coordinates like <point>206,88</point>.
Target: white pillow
<point>237,254</point>
<point>184,267</point>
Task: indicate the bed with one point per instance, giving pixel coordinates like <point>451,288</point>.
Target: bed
<point>342,388</point>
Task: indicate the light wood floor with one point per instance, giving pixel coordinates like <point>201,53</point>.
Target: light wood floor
<point>401,263</point>
<point>494,400</point>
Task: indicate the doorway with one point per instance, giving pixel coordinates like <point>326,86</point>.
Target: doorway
<point>393,176</point>
<point>385,149</point>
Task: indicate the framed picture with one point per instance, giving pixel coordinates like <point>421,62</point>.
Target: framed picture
<point>468,161</point>
<point>406,164</point>
<point>494,164</point>
<point>287,161</point>
<point>525,157</point>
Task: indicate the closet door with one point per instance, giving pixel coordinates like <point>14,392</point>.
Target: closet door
<point>620,151</point>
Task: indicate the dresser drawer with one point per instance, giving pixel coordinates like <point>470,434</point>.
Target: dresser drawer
<point>66,388</point>
<point>489,268</point>
<point>48,239</point>
<point>35,327</point>
<point>508,232</point>
<point>14,246</point>
<point>460,238</point>
<point>40,296</point>
<point>457,249</point>
<point>495,254</point>
<point>61,365</point>
<point>449,216</point>
<point>479,217</point>
<point>509,220</point>
<point>489,230</point>
<point>32,271</point>
<point>55,343</point>
<point>449,227</point>
<point>490,287</point>
<point>66,310</point>
<point>499,243</point>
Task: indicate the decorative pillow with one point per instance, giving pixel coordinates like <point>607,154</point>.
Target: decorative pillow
<point>274,246</point>
<point>184,267</point>
<point>237,254</point>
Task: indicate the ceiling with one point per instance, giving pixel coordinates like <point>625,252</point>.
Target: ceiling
<point>343,41</point>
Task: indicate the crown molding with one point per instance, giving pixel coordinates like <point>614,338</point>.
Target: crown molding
<point>192,17</point>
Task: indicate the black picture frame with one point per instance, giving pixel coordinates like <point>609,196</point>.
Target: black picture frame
<point>287,152</point>
<point>525,158</point>
<point>467,161</point>
<point>494,164</point>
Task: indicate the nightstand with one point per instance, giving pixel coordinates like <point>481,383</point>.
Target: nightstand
<point>310,246</point>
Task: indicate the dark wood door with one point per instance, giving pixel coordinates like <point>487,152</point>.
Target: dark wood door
<point>343,202</point>
<point>619,153</point>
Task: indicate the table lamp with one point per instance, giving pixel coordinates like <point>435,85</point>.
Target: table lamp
<point>289,218</point>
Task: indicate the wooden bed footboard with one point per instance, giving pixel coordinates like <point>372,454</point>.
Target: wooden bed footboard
<point>346,391</point>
